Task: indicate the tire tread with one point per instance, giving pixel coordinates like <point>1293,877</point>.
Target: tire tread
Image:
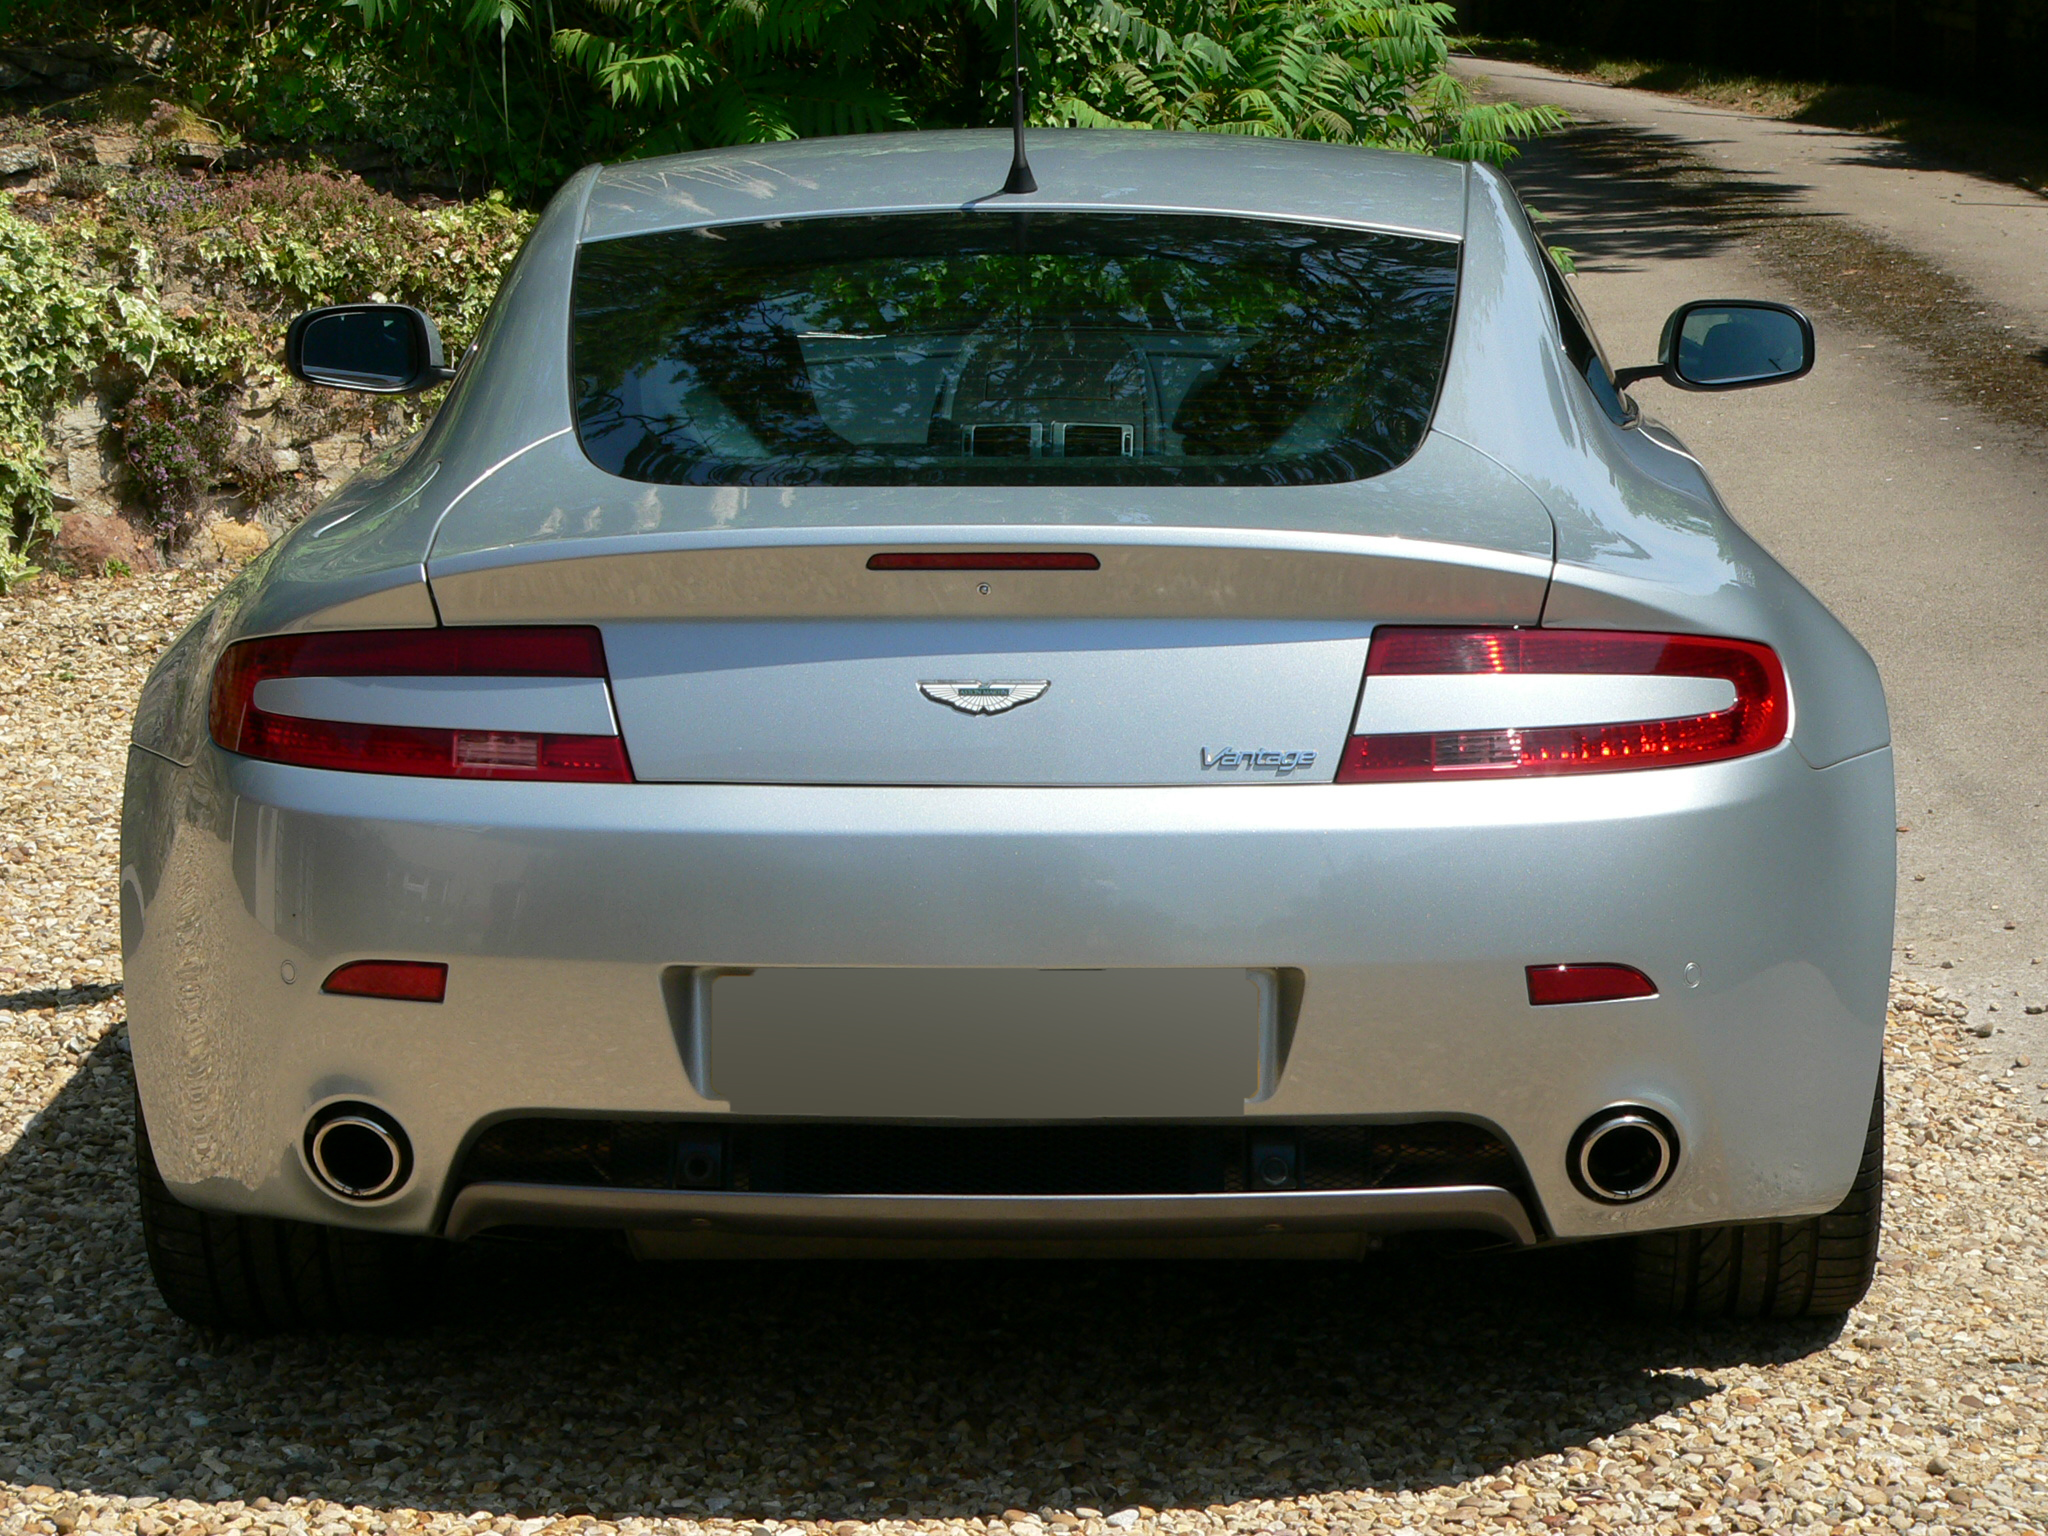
<point>260,1274</point>
<point>1817,1266</point>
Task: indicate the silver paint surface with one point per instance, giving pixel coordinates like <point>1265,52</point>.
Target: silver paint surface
<point>838,701</point>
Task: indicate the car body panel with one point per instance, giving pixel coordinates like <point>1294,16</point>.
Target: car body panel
<point>1077,169</point>
<point>554,503</point>
<point>837,701</point>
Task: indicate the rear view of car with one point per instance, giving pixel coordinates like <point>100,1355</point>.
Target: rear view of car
<point>1163,715</point>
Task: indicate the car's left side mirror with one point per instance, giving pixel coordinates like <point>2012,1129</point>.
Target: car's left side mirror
<point>379,349</point>
<point>1729,344</point>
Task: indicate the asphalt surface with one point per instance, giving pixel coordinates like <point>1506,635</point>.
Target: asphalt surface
<point>1905,481</point>
<point>1991,236</point>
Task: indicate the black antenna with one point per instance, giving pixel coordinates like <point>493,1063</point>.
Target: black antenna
<point>1021,179</point>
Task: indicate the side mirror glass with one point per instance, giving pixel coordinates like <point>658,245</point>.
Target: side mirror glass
<point>380,349</point>
<point>1735,344</point>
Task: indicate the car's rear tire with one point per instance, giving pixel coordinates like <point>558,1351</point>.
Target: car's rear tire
<point>257,1274</point>
<point>1820,1266</point>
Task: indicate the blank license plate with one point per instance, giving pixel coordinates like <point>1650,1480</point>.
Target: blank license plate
<point>982,1044</point>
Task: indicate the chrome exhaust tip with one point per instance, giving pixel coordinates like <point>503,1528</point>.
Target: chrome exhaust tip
<point>1623,1154</point>
<point>357,1151</point>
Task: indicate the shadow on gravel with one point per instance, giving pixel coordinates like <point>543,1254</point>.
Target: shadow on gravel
<point>566,1380</point>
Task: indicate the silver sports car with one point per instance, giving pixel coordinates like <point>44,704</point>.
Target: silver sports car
<point>1186,711</point>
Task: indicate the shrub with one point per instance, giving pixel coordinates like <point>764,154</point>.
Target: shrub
<point>516,93</point>
<point>302,238</point>
<point>174,440</point>
<point>59,329</point>
<point>1351,71</point>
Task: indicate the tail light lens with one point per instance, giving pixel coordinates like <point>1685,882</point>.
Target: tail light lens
<point>1756,721</point>
<point>239,725</point>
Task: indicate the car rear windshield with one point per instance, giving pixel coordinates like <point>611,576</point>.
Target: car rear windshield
<point>981,348</point>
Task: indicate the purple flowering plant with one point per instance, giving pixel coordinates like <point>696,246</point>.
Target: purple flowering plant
<point>174,438</point>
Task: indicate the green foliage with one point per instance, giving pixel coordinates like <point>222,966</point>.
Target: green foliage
<point>58,330</point>
<point>303,239</point>
<point>751,71</point>
<point>517,93</point>
<point>1347,71</point>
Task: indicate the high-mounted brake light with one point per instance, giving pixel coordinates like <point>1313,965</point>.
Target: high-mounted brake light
<point>404,981</point>
<point>240,725</point>
<point>1756,720</point>
<point>1552,984</point>
<point>986,560</point>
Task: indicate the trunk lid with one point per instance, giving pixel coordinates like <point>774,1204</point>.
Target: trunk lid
<point>985,701</point>
<point>1213,638</point>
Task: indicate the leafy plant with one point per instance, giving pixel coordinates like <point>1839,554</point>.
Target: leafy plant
<point>58,330</point>
<point>174,438</point>
<point>305,238</point>
<point>1347,71</point>
<point>516,93</point>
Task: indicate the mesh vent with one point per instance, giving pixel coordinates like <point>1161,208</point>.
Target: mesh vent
<point>860,1159</point>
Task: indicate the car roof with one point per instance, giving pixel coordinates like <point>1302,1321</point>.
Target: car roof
<point>1087,169</point>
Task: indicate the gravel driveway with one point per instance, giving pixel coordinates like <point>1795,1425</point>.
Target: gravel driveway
<point>572,1391</point>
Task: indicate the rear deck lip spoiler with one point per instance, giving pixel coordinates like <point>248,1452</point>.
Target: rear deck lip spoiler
<point>1480,1207</point>
<point>1151,572</point>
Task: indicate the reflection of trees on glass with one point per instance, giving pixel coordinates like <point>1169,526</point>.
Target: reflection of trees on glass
<point>995,348</point>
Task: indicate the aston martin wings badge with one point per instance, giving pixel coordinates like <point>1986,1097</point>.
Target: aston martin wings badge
<point>982,698</point>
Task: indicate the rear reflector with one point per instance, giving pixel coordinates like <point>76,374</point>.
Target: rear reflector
<point>1756,721</point>
<point>405,981</point>
<point>426,751</point>
<point>989,560</point>
<point>1549,984</point>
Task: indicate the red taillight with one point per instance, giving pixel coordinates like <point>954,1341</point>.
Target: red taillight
<point>1757,720</point>
<point>405,981</point>
<point>427,751</point>
<point>1549,984</point>
<point>986,560</point>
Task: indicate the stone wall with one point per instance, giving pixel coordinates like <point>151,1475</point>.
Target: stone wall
<point>292,448</point>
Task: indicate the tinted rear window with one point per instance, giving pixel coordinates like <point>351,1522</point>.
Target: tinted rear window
<point>1009,349</point>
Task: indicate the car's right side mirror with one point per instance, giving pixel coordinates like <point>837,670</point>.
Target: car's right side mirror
<point>1729,344</point>
<point>379,349</point>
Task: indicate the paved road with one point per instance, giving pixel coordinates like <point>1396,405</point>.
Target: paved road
<point>1909,497</point>
<point>1991,236</point>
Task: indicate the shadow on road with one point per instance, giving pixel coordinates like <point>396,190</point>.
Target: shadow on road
<point>566,1379</point>
<point>1622,197</point>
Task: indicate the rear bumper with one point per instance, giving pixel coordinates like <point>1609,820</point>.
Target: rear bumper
<point>1757,893</point>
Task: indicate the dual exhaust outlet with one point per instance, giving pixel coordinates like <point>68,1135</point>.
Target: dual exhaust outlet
<point>1621,1155</point>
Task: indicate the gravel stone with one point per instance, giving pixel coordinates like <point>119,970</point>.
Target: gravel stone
<point>570,1392</point>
